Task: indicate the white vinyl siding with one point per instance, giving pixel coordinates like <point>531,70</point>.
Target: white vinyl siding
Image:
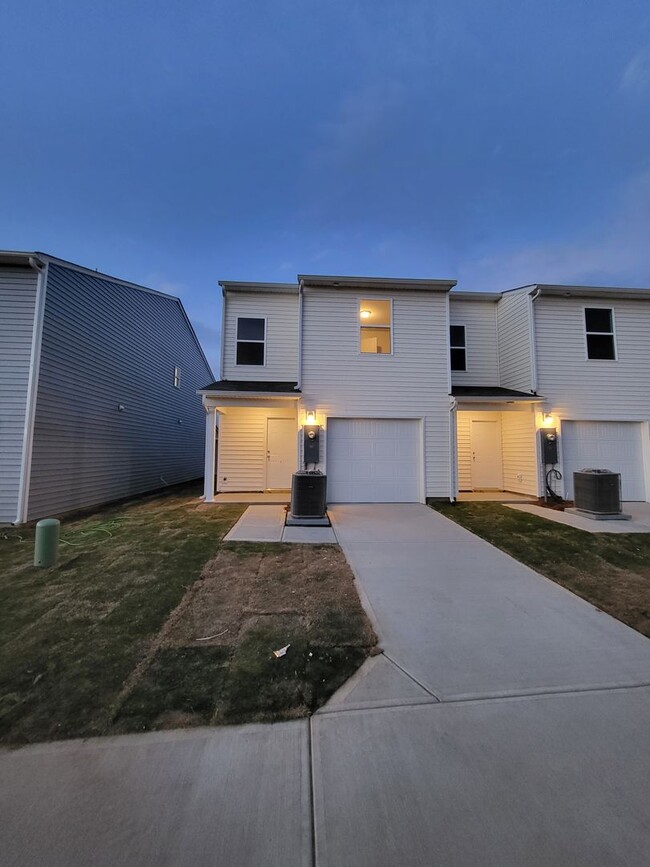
<point>464,444</point>
<point>514,336</point>
<point>339,381</point>
<point>17,306</point>
<point>241,459</point>
<point>578,388</point>
<point>374,461</point>
<point>518,434</point>
<point>615,446</point>
<point>281,351</point>
<point>518,455</point>
<point>479,319</point>
<point>106,345</point>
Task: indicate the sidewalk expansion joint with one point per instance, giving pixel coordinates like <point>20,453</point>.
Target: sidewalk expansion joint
<point>427,689</point>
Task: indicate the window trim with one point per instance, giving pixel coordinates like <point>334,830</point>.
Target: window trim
<point>263,342</point>
<point>177,376</point>
<point>611,333</point>
<point>388,327</point>
<point>464,347</point>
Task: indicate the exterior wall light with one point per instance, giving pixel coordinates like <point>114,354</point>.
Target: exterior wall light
<point>311,417</point>
<point>547,420</point>
<point>364,314</point>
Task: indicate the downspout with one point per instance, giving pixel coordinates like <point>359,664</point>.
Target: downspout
<point>41,269</point>
<point>533,347</point>
<point>300,298</point>
<point>453,447</point>
<point>223,332</point>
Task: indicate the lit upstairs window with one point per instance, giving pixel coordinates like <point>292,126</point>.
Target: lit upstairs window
<point>375,327</point>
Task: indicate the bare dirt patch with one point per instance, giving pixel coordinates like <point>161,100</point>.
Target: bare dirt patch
<point>214,661</point>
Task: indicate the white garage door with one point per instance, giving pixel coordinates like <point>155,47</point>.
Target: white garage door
<point>373,460</point>
<point>604,445</point>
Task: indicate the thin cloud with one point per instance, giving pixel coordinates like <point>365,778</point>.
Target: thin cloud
<point>636,75</point>
<point>615,255</point>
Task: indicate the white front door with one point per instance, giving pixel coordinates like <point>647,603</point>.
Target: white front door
<point>281,440</point>
<point>487,469</point>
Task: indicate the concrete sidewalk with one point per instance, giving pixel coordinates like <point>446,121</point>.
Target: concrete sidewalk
<point>438,752</point>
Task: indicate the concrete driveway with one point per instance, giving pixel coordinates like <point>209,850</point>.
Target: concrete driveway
<point>466,620</point>
<point>507,724</point>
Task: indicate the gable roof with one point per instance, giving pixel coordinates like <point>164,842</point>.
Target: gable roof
<point>26,259</point>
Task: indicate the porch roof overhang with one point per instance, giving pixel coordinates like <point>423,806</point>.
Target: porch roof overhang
<point>232,390</point>
<point>492,394</point>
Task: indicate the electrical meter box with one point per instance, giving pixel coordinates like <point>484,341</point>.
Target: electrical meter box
<point>311,447</point>
<point>549,445</point>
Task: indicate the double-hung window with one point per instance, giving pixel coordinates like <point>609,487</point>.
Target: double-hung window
<point>599,329</point>
<point>375,320</point>
<point>251,341</point>
<point>457,347</point>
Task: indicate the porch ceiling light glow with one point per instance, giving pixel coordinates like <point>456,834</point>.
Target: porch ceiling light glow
<point>365,314</point>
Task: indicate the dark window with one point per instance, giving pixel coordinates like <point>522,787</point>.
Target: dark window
<point>599,327</point>
<point>251,335</point>
<point>458,351</point>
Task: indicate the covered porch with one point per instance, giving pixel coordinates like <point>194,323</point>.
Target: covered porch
<point>497,454</point>
<point>256,451</point>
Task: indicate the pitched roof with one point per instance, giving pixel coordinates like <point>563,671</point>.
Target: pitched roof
<point>253,385</point>
<point>481,392</point>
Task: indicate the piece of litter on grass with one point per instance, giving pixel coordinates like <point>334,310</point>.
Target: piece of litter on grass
<point>282,651</point>
<point>209,637</point>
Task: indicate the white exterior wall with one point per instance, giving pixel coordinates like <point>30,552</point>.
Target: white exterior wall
<point>518,449</point>
<point>17,306</point>
<point>413,382</point>
<point>518,434</point>
<point>241,459</point>
<point>464,440</point>
<point>281,313</point>
<point>577,388</point>
<point>580,389</point>
<point>480,321</point>
<point>514,340</point>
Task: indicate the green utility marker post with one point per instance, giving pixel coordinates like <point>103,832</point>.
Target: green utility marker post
<point>46,544</point>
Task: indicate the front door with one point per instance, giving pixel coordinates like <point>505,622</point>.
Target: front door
<point>487,470</point>
<point>281,440</point>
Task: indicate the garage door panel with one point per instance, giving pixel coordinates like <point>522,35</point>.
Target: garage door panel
<point>373,460</point>
<point>615,446</point>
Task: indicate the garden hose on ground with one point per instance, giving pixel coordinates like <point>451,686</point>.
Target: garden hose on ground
<point>556,475</point>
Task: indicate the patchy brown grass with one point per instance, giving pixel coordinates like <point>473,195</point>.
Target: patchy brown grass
<point>105,642</point>
<point>249,601</point>
<point>610,570</point>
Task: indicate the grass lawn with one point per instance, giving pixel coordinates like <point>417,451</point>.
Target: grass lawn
<point>107,642</point>
<point>612,571</point>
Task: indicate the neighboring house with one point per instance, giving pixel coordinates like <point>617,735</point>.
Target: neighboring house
<point>422,391</point>
<point>98,381</point>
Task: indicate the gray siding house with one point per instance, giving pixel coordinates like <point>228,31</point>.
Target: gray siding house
<point>98,382</point>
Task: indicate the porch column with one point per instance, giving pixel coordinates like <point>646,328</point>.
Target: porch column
<point>210,436</point>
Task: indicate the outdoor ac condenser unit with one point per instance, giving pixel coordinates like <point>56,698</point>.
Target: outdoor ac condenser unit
<point>308,494</point>
<point>597,491</point>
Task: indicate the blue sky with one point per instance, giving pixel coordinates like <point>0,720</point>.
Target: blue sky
<point>178,143</point>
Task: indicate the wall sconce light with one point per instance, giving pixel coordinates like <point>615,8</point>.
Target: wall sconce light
<point>365,314</point>
<point>547,419</point>
<point>311,417</point>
